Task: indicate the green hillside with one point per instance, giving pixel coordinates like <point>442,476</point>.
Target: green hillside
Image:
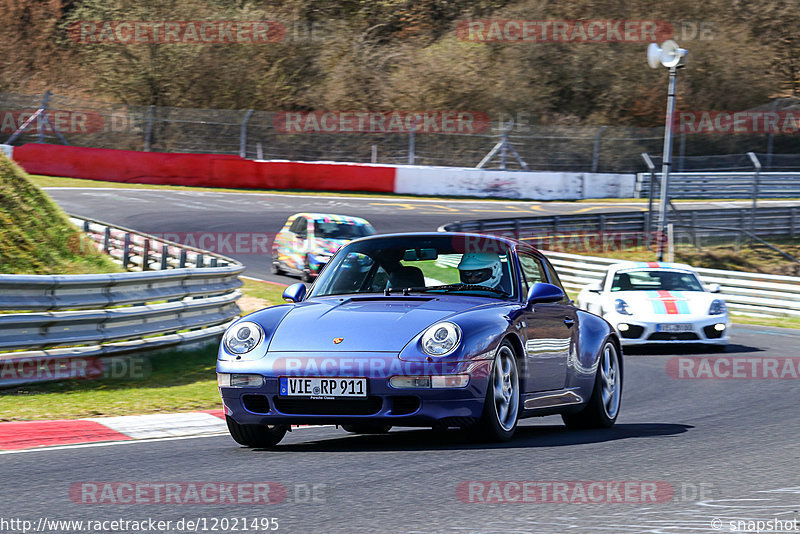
<point>35,235</point>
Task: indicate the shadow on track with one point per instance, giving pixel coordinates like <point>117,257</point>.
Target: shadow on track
<point>526,437</point>
<point>687,349</point>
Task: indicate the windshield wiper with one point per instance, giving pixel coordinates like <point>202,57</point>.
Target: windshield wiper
<point>459,287</point>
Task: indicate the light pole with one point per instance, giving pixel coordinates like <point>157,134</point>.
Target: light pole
<point>670,55</point>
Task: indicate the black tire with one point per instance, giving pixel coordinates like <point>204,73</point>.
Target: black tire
<point>276,264</point>
<point>494,426</point>
<point>367,428</point>
<point>598,413</point>
<point>305,276</point>
<point>256,436</point>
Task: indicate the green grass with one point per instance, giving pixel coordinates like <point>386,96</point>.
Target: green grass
<point>180,381</point>
<point>35,235</point>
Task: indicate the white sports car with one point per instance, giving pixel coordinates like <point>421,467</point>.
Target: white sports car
<point>655,302</point>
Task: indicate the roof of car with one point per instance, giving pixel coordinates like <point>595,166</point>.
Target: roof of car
<point>649,265</point>
<point>332,217</point>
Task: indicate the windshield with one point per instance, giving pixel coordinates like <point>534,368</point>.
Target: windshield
<point>656,280</point>
<point>341,230</point>
<point>420,264</point>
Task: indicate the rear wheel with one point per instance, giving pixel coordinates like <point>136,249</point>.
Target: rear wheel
<point>258,436</point>
<point>501,408</point>
<point>367,428</point>
<point>603,407</point>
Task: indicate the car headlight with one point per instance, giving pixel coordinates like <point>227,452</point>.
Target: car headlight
<point>243,337</point>
<point>621,307</point>
<point>717,307</point>
<point>441,339</point>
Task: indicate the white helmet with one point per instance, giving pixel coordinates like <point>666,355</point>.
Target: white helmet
<point>480,268</point>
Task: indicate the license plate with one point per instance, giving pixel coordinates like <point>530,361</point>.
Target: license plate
<point>322,388</point>
<point>674,327</point>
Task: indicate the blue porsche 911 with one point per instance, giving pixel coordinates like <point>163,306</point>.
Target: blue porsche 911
<point>421,330</point>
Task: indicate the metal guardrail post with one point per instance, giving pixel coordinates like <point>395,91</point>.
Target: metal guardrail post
<point>164,257</point>
<point>107,240</point>
<point>596,149</point>
<point>243,134</point>
<point>198,261</point>
<point>213,262</point>
<point>756,174</point>
<point>412,144</point>
<point>146,255</point>
<point>148,129</point>
<point>126,251</point>
<point>182,260</point>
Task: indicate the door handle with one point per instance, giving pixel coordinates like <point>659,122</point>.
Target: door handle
<point>569,321</point>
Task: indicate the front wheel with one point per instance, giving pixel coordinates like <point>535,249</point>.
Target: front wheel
<point>276,263</point>
<point>603,407</point>
<point>305,276</point>
<point>256,436</point>
<point>501,408</point>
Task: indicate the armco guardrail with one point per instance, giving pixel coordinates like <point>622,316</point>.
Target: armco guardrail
<point>746,293</point>
<point>106,314</point>
<point>724,184</point>
<point>768,221</point>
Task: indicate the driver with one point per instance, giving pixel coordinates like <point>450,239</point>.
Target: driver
<point>480,268</point>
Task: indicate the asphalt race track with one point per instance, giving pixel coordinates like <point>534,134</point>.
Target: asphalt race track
<point>726,449</point>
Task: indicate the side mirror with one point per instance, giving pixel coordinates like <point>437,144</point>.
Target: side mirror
<point>294,293</point>
<point>713,288</point>
<point>541,293</point>
<point>596,287</point>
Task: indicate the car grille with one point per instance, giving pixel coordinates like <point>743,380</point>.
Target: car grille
<point>368,406</point>
<point>673,336</point>
<point>633,332</point>
<point>711,333</point>
<point>404,405</point>
<point>255,403</point>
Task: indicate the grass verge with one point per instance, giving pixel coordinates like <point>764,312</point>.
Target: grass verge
<point>35,235</point>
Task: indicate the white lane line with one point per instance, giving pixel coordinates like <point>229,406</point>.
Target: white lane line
<point>135,441</point>
<point>107,443</point>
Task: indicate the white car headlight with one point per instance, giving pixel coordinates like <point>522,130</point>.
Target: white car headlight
<point>441,339</point>
<point>621,307</point>
<point>717,307</point>
<point>243,337</point>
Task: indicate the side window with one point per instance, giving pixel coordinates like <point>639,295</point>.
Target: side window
<point>552,275</point>
<point>532,271</point>
<point>299,227</point>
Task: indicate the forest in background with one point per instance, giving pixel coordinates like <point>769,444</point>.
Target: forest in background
<point>394,54</point>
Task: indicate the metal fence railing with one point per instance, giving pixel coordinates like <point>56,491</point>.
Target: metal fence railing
<point>763,221</point>
<point>746,293</point>
<point>725,185</point>
<point>87,316</point>
<point>257,134</point>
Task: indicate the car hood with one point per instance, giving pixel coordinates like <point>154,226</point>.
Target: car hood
<point>665,305</point>
<point>373,324</point>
